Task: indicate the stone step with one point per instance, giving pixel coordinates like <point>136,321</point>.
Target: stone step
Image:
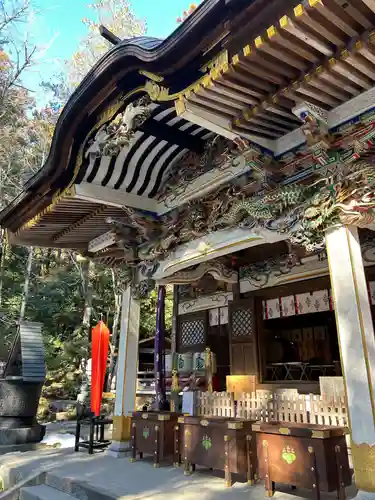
<point>11,448</point>
<point>43,492</point>
<point>77,488</point>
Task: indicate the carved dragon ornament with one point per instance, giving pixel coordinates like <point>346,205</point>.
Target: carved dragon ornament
<point>302,212</point>
<point>220,154</point>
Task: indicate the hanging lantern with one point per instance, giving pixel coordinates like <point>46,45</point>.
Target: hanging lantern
<point>100,343</point>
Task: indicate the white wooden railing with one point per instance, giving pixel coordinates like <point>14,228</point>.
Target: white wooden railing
<point>267,407</point>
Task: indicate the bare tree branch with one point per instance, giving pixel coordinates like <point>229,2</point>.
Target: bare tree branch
<point>16,15</point>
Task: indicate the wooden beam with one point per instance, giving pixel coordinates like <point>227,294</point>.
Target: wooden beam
<point>310,39</point>
<point>101,242</point>
<point>108,35</point>
<point>212,121</point>
<point>173,135</point>
<point>113,197</point>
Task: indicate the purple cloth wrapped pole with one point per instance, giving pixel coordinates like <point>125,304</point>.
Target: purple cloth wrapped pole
<point>159,359</point>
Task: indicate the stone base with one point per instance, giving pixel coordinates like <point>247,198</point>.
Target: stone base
<point>14,448</point>
<point>121,428</point>
<point>22,435</point>
<point>364,495</point>
<point>119,449</point>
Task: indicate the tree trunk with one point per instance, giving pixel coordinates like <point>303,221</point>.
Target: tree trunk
<point>4,249</point>
<point>87,295</point>
<point>85,272</point>
<point>4,245</point>
<point>45,262</point>
<point>115,332</point>
<point>26,283</point>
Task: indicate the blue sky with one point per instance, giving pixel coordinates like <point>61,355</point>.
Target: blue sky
<point>59,28</point>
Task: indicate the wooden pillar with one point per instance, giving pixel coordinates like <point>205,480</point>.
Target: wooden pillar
<point>159,355</point>
<point>175,387</point>
<point>174,318</point>
<point>357,349</point>
<point>127,368</point>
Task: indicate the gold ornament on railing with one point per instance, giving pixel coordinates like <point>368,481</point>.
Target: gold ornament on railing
<point>175,382</point>
<point>175,389</point>
<point>209,368</point>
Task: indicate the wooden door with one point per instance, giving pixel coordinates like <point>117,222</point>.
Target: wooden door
<point>192,332</point>
<point>243,338</point>
<point>218,342</point>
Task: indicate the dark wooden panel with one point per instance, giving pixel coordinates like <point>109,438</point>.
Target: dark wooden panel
<point>244,359</point>
<point>242,320</point>
<point>153,434</point>
<point>294,455</point>
<point>260,338</point>
<point>370,273</point>
<point>238,360</point>
<point>220,445</point>
<point>243,338</point>
<point>218,342</point>
<point>192,332</point>
<point>175,318</point>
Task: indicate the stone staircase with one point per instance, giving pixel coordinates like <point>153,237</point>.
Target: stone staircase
<point>43,492</point>
<point>41,474</point>
<point>54,486</point>
<point>105,478</point>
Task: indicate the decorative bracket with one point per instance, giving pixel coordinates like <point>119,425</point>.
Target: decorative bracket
<point>101,242</point>
<point>112,137</point>
<point>215,269</point>
<point>315,129</point>
<point>142,289</point>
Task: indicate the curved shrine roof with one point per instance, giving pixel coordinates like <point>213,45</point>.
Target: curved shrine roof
<point>127,66</point>
<point>253,70</point>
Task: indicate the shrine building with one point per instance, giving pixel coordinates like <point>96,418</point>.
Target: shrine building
<point>234,160</point>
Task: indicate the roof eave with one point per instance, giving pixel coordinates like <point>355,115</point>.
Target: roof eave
<point>203,21</point>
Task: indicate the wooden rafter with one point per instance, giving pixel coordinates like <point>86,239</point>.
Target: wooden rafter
<point>323,54</point>
<point>79,222</point>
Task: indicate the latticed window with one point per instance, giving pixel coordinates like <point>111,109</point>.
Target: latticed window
<point>242,322</point>
<point>192,332</point>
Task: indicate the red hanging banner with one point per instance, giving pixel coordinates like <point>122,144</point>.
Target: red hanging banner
<point>100,342</point>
